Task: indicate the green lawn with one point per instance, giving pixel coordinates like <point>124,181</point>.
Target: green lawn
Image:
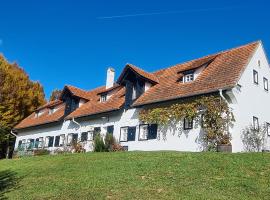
<point>137,175</point>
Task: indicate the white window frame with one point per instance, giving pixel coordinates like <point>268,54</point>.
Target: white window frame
<point>188,124</point>
<point>40,142</point>
<point>62,140</point>
<point>188,78</point>
<point>103,97</point>
<point>124,134</point>
<point>255,77</point>
<point>143,132</point>
<point>265,84</point>
<point>46,144</point>
<point>268,128</point>
<point>69,138</point>
<point>90,136</point>
<point>256,123</point>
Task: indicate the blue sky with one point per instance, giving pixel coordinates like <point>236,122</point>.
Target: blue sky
<point>61,42</point>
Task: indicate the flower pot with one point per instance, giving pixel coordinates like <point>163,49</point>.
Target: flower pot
<point>224,148</point>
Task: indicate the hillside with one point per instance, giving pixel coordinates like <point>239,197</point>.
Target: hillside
<point>137,175</point>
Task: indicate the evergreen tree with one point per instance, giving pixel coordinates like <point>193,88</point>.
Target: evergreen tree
<point>19,97</point>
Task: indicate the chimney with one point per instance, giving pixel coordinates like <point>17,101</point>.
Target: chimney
<point>110,77</point>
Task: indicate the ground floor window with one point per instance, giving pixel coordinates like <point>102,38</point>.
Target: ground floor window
<point>84,136</point>
<point>255,123</point>
<point>69,138</point>
<point>268,128</point>
<point>188,124</point>
<point>75,138</point>
<point>40,143</point>
<point>50,144</point>
<point>90,135</point>
<point>147,131</point>
<point>97,130</point>
<point>36,143</point>
<point>123,134</point>
<point>110,129</point>
<point>30,144</point>
<point>62,140</point>
<point>56,141</point>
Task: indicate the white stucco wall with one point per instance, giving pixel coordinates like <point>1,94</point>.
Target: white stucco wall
<point>251,99</point>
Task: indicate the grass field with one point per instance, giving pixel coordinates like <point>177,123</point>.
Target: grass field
<point>137,175</point>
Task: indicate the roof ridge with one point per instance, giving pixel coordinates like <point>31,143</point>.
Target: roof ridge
<point>209,55</point>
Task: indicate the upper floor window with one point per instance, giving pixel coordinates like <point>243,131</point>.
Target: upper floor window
<point>103,97</point>
<point>265,83</point>
<point>188,78</point>
<point>255,77</point>
<point>256,123</point>
<point>259,63</point>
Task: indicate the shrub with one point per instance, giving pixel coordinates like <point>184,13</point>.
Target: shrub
<point>99,145</point>
<point>253,139</point>
<point>77,148</point>
<point>41,152</point>
<point>117,147</point>
<point>109,141</point>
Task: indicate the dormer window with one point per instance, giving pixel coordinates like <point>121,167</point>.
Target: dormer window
<point>103,98</point>
<point>51,111</point>
<point>188,78</point>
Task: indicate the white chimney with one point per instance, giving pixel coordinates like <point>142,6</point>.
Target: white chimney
<point>110,77</point>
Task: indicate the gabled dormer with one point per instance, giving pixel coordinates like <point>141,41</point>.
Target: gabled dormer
<point>73,98</point>
<point>136,82</point>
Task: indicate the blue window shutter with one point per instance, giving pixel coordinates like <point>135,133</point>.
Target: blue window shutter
<point>131,133</point>
<point>110,129</point>
<point>36,143</point>
<point>152,131</point>
<point>51,141</point>
<point>57,139</point>
<point>74,138</point>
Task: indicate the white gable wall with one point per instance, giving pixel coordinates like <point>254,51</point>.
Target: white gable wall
<point>251,100</point>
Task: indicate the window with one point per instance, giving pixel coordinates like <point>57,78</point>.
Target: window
<point>147,131</point>
<point>268,128</point>
<point>110,129</point>
<point>131,133</point>
<point>188,124</point>
<point>133,93</point>
<point>97,130</point>
<point>40,143</point>
<point>69,138</point>
<point>259,63</point>
<point>265,83</point>
<point>62,140</point>
<point>188,78</point>
<point>31,143</point>
<point>123,134</point>
<point>84,136</point>
<point>50,144</point>
<point>90,135</point>
<point>20,144</point>
<point>103,97</point>
<point>255,77</point>
<point>143,132</point>
<point>36,143</point>
<point>256,123</point>
<point>57,140</point>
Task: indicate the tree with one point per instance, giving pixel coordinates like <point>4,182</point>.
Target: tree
<point>55,94</point>
<point>253,138</point>
<point>19,97</point>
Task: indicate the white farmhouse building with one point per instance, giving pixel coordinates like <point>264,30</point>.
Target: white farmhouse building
<point>240,75</point>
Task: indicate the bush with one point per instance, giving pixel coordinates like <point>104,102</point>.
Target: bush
<point>117,147</point>
<point>78,148</point>
<point>253,139</point>
<point>99,145</point>
<point>41,152</point>
<point>109,141</point>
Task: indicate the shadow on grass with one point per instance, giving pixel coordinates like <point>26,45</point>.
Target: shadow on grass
<point>8,182</point>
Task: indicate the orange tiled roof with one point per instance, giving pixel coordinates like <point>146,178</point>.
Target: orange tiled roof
<point>44,118</point>
<point>223,71</point>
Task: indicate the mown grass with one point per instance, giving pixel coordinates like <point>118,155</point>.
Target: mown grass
<point>137,175</point>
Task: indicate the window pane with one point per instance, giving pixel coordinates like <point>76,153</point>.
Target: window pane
<point>40,144</point>
<point>110,129</point>
<point>84,136</point>
<point>152,131</point>
<point>256,123</point>
<point>69,139</point>
<point>37,143</point>
<point>123,134</point>
<point>143,132</point>
<point>255,76</point>
<point>51,141</point>
<point>57,140</point>
<point>131,133</point>
<point>265,82</point>
<point>90,135</point>
<point>188,124</point>
<point>62,140</point>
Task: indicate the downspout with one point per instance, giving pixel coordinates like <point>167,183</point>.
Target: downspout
<point>12,133</point>
<point>222,96</point>
<point>73,120</point>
